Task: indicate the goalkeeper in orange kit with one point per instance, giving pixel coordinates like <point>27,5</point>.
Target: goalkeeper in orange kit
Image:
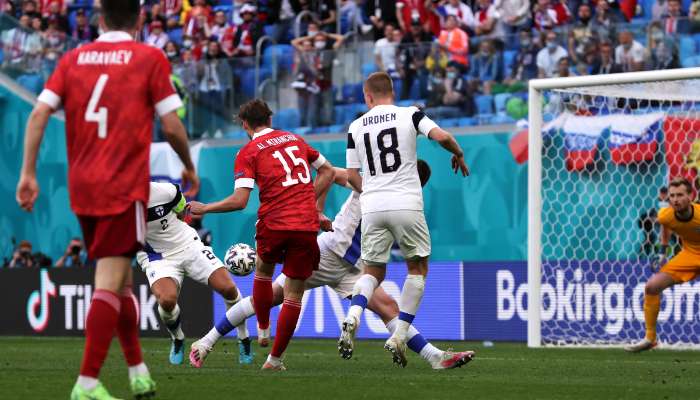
<point>683,219</point>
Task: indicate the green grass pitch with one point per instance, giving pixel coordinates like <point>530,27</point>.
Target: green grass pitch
<point>45,368</point>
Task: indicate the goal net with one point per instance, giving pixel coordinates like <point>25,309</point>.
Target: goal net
<point>600,150</point>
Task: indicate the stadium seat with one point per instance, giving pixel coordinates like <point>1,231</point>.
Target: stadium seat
<point>176,36</point>
<point>501,119</point>
<point>269,30</point>
<point>227,8</point>
<point>287,118</point>
<point>415,91</point>
<point>32,82</point>
<point>449,122</point>
<point>398,86</point>
<point>284,53</point>
<point>1,56</point>
<point>693,61</point>
<point>467,121</point>
<point>352,93</point>
<point>405,103</point>
<point>687,47</point>
<point>696,38</point>
<point>500,101</point>
<point>484,104</point>
<point>339,114</point>
<point>303,130</point>
<point>336,129</point>
<point>508,57</point>
<point>368,68</point>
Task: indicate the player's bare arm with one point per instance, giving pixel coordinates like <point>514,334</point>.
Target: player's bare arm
<point>175,133</point>
<point>236,201</point>
<point>448,142</point>
<point>28,188</point>
<point>355,179</point>
<point>325,175</point>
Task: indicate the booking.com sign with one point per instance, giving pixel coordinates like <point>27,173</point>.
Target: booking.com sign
<point>440,315</point>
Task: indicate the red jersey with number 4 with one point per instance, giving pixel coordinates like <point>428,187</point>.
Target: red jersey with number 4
<point>279,163</point>
<point>110,90</point>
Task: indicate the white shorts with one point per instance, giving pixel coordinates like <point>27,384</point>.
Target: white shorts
<point>381,229</point>
<point>333,272</point>
<point>196,261</point>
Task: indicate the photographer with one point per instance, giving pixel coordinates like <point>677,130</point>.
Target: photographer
<point>74,256</point>
<point>22,257</point>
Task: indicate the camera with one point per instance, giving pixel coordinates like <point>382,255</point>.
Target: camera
<point>75,250</point>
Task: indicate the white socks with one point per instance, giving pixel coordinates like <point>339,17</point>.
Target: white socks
<point>411,296</point>
<point>361,294</point>
<point>242,328</point>
<point>172,322</point>
<point>235,317</point>
<point>87,382</point>
<point>426,350</point>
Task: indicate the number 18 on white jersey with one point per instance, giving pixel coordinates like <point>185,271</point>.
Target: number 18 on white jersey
<point>383,144</point>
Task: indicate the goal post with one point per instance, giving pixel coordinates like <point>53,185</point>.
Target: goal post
<point>598,152</point>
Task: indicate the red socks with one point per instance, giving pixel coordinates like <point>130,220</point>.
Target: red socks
<point>262,300</point>
<point>100,325</point>
<point>286,323</point>
<point>128,328</point>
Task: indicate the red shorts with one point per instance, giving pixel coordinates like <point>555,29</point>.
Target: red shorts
<point>297,250</point>
<point>120,235</point>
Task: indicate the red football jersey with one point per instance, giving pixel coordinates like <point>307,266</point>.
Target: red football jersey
<point>279,162</point>
<point>110,90</point>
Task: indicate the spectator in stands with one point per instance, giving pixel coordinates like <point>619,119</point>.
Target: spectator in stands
<point>548,57</point>
<point>95,14</point>
<point>172,51</point>
<point>220,25</point>
<point>455,41</point>
<point>83,32</point>
<point>351,17</point>
<point>381,12</point>
<point>464,14</point>
<point>658,9</point>
<point>328,15</point>
<point>198,25</point>
<point>8,7</point>
<point>514,15</point>
<point>46,9</point>
<point>487,21</point>
<point>437,59</point>
<point>215,80</point>
<point>171,9</point>
<point>604,21</point>
<point>607,64</point>
<point>282,14</point>
<point>14,43</point>
<point>647,223</point>
<point>157,38</point>
<point>524,64</point>
<point>662,48</point>
<point>448,93</point>
<point>694,16</point>
<point>675,19</point>
<point>630,54</point>
<point>54,12</point>
<point>307,73</point>
<point>30,8</point>
<point>186,70</point>
<point>55,40</point>
<point>544,16</point>
<point>34,46</point>
<point>563,68</point>
<point>413,51</point>
<point>385,54</point>
<point>408,11</point>
<point>486,68</point>
<point>226,39</point>
<point>587,63</point>
<point>74,256</point>
<point>580,35</point>
<point>247,34</point>
<point>200,7</point>
<point>22,257</point>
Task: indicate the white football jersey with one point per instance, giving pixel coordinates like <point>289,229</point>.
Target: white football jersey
<point>166,233</point>
<point>344,241</point>
<point>383,144</point>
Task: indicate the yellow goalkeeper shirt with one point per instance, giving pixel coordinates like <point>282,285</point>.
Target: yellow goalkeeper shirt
<point>688,231</point>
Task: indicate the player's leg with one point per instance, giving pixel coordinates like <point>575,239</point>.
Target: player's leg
<point>220,280</point>
<point>652,303</point>
<point>270,246</point>
<point>376,248</point>
<point>302,256</point>
<point>388,310</point>
<point>411,232</point>
<point>166,291</point>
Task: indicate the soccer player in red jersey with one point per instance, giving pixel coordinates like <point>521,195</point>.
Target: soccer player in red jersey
<point>110,91</point>
<point>289,217</point>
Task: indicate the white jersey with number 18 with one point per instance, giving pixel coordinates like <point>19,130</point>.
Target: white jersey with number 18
<point>383,144</point>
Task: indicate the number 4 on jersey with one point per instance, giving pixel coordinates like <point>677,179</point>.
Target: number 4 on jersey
<point>92,114</point>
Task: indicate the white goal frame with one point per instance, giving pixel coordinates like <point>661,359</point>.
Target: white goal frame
<point>535,119</point>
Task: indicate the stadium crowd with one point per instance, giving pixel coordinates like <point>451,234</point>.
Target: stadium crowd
<point>451,56</point>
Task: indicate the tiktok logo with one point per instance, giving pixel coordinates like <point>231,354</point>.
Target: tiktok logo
<point>38,303</point>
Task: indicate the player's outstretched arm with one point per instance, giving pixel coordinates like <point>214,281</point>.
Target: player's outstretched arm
<point>355,179</point>
<point>237,201</point>
<point>28,188</point>
<point>176,135</point>
<point>449,143</point>
<point>325,175</point>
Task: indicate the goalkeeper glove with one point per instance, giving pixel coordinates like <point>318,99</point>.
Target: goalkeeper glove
<point>660,259</point>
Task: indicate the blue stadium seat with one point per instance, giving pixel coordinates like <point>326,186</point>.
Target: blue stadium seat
<point>176,36</point>
<point>687,47</point>
<point>368,68</point>
<point>484,104</point>
<point>467,121</point>
<point>32,82</point>
<point>247,79</point>
<point>284,53</point>
<point>449,122</point>
<point>696,38</point>
<point>303,130</point>
<point>269,30</point>
<point>398,86</point>
<point>500,101</point>
<point>415,91</point>
<point>693,61</point>
<point>227,8</point>
<point>339,114</point>
<point>352,93</point>
<point>405,103</point>
<point>501,119</point>
<point>2,57</point>
<point>508,57</point>
<point>336,128</point>
<point>354,109</point>
<point>287,118</point>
